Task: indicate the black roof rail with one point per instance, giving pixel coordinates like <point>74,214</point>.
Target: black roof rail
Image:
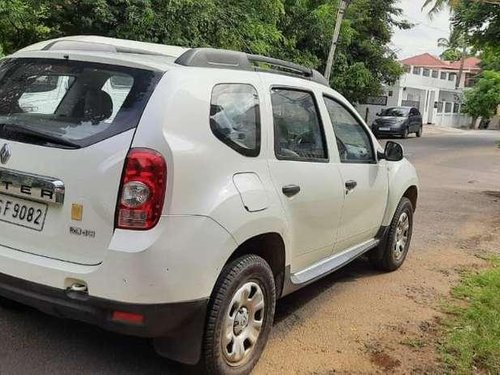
<point>225,59</point>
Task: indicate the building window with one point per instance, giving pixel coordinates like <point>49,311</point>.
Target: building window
<point>407,68</point>
<point>416,70</point>
<point>456,107</point>
<point>470,79</point>
<point>426,72</point>
<point>435,74</point>
<point>447,107</point>
<point>390,93</point>
<point>443,75</point>
<point>452,77</point>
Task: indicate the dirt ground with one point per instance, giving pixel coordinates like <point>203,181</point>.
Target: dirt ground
<point>359,321</point>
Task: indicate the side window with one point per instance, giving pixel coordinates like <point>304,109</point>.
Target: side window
<point>353,141</point>
<point>235,117</point>
<point>298,131</point>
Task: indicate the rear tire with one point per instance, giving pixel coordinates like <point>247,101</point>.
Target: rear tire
<point>391,254</point>
<point>240,316</point>
<point>420,131</point>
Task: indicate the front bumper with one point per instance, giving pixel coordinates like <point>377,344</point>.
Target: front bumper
<point>172,322</point>
<point>392,130</point>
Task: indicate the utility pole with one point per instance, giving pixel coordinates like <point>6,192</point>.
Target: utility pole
<point>461,70</point>
<point>335,38</point>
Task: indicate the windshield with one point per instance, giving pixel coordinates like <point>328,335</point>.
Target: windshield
<point>395,111</point>
<point>80,103</point>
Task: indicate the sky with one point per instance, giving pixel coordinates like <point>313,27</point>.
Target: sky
<point>424,35</point>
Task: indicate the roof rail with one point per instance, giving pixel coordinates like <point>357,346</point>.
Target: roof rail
<point>225,59</point>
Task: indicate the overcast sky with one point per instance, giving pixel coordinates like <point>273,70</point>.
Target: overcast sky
<point>424,35</point>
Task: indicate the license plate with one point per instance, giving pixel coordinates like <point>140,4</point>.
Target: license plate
<point>22,212</point>
<point>384,128</point>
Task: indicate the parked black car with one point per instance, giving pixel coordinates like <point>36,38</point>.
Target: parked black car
<point>398,121</point>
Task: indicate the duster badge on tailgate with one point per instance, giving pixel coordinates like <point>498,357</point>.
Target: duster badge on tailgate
<point>31,186</point>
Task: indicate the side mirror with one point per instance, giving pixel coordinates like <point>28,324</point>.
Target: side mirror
<point>393,152</point>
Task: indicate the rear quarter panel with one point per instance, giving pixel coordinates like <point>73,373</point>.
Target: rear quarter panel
<point>200,167</point>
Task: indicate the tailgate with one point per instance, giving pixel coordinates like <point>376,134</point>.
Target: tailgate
<point>65,129</point>
<point>66,211</point>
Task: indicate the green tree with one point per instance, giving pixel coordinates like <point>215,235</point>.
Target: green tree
<point>22,22</point>
<point>484,98</point>
<point>296,30</point>
<point>480,20</point>
<point>363,62</point>
<point>436,6</point>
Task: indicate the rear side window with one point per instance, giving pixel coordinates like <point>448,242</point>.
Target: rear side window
<point>298,132</point>
<point>235,117</point>
<point>353,141</point>
<point>70,103</point>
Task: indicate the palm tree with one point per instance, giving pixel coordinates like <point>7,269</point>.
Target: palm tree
<point>456,39</point>
<point>438,5</point>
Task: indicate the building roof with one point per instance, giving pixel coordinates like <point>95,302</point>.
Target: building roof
<point>429,61</point>
<point>425,59</point>
<point>470,63</point>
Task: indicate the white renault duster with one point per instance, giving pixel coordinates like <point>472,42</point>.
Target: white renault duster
<point>177,193</point>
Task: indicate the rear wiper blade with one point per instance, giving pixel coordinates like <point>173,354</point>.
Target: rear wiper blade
<point>32,133</point>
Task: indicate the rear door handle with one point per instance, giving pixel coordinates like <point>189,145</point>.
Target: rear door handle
<point>290,190</point>
<point>350,185</point>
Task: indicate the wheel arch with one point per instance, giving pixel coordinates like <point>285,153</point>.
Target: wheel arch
<point>269,246</point>
<point>403,182</point>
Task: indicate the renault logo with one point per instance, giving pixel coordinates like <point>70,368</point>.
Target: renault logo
<point>5,154</point>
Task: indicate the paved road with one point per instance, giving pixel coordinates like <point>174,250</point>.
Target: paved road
<point>33,343</point>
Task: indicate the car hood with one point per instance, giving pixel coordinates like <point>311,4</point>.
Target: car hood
<point>389,119</point>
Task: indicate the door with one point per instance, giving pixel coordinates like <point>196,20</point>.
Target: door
<point>365,181</point>
<point>309,186</point>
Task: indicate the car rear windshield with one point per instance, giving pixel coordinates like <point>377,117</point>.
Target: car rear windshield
<point>395,111</point>
<point>64,103</point>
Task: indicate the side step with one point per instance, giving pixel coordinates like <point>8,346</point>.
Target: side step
<point>332,264</point>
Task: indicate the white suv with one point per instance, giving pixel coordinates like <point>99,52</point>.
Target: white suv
<point>177,193</point>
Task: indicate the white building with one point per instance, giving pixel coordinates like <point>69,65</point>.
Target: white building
<point>430,85</point>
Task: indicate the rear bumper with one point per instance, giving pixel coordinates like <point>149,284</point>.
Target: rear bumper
<point>172,322</point>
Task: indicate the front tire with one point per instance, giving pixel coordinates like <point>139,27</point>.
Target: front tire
<point>405,134</point>
<point>240,316</point>
<point>391,254</point>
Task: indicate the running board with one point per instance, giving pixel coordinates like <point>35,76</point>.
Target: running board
<point>333,263</point>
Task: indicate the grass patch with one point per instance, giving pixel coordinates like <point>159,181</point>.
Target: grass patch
<point>472,343</point>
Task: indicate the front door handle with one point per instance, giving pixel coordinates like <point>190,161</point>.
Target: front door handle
<point>350,185</point>
<point>290,190</point>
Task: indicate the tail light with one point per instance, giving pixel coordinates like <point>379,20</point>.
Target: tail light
<point>142,190</point>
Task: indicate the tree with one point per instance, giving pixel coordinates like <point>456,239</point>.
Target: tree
<point>22,22</point>
<point>484,98</point>
<point>480,20</point>
<point>363,61</point>
<point>437,6</point>
<point>295,30</point>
